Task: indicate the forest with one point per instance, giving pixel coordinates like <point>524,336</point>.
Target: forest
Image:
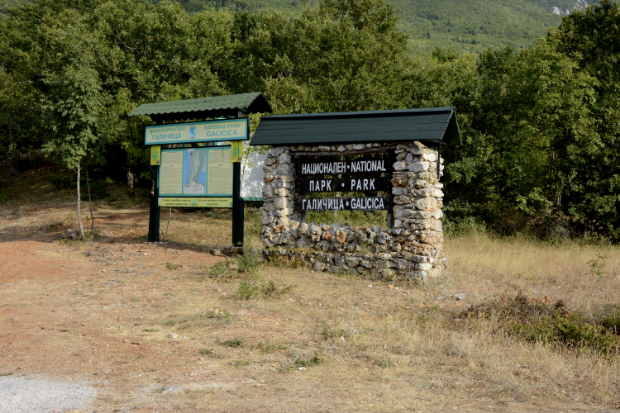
<point>541,124</point>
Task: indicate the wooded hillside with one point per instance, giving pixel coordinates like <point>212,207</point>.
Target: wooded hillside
<point>541,125</point>
<point>460,25</point>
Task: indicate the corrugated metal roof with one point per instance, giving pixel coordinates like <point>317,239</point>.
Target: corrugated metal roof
<point>205,107</point>
<point>434,124</point>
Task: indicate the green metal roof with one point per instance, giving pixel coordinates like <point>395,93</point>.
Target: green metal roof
<point>433,124</point>
<point>215,106</point>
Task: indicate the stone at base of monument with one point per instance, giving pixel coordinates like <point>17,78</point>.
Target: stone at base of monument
<point>412,249</point>
<point>386,267</point>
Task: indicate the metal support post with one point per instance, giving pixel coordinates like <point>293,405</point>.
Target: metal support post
<point>154,215</point>
<point>438,161</point>
<point>238,206</point>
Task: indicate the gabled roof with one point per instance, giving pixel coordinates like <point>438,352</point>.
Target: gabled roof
<point>216,106</point>
<point>433,124</point>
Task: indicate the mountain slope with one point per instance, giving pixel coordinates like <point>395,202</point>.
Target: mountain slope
<point>460,25</point>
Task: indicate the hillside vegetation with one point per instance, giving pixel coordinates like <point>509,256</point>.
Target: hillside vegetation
<point>459,25</point>
<point>540,125</point>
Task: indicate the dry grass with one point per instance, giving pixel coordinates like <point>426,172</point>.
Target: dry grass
<point>385,348</point>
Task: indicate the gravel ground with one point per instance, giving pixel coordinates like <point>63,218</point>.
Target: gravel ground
<point>19,394</point>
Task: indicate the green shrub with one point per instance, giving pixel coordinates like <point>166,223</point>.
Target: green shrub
<point>235,342</point>
<point>536,321</point>
<point>98,190</point>
<point>247,263</point>
<point>315,360</point>
<point>62,181</point>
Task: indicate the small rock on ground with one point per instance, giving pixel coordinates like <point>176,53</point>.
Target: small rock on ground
<point>171,389</point>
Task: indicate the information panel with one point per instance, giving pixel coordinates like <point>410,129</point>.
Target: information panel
<point>192,172</point>
<point>207,131</point>
<point>195,202</point>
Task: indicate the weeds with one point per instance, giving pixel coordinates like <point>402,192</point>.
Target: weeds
<point>240,363</point>
<point>216,314</point>
<point>270,348</point>
<point>8,373</point>
<point>207,351</point>
<point>258,288</point>
<point>597,266</point>
<point>235,342</point>
<point>246,264</point>
<point>301,363</point>
<point>537,321</point>
<point>172,266</point>
<point>151,330</point>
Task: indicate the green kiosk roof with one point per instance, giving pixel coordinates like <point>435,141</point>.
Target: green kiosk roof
<point>434,124</point>
<point>217,106</point>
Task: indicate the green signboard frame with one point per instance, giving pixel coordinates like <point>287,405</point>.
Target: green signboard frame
<point>207,131</point>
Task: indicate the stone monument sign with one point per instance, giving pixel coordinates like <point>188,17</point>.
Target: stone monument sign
<point>375,161</point>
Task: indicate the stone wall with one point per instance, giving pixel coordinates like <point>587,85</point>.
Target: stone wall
<point>412,249</point>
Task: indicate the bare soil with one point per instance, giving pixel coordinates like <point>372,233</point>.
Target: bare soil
<point>132,318</point>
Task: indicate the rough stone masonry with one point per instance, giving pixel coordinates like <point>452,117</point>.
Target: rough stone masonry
<point>412,249</point>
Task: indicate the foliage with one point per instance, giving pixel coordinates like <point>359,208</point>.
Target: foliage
<point>246,264</point>
<point>554,324</point>
<point>540,119</point>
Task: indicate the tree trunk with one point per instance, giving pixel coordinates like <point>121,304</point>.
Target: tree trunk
<point>79,209</point>
<point>90,205</point>
<point>130,179</point>
<point>13,164</point>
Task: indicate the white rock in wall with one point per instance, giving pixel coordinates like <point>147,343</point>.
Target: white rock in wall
<point>276,151</point>
<point>418,166</point>
<point>399,166</point>
<point>285,170</point>
<point>284,158</point>
<point>280,203</point>
<point>431,157</point>
<point>399,190</point>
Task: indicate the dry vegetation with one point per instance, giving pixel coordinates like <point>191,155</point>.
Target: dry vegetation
<point>330,343</point>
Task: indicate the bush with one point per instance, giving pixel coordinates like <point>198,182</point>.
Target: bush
<point>98,189</point>
<point>554,324</point>
<point>61,181</point>
<point>247,263</point>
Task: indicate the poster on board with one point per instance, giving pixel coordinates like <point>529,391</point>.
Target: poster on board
<point>196,172</point>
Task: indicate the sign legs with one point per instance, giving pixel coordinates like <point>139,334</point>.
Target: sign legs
<point>238,206</point>
<point>154,215</point>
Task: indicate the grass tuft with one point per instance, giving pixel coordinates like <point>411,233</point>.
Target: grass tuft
<point>259,289</point>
